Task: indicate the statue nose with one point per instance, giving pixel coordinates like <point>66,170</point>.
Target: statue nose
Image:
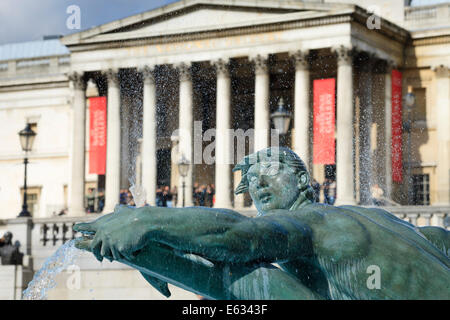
<point>262,181</point>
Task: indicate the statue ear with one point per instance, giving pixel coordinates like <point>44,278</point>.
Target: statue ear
<point>303,179</point>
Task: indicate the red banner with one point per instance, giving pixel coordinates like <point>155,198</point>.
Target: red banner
<point>97,135</point>
<point>396,143</point>
<point>324,121</point>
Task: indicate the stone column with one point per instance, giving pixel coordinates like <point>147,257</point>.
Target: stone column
<point>388,129</point>
<point>301,101</point>
<point>223,141</point>
<point>77,161</point>
<point>344,145</point>
<point>112,183</point>
<point>365,125</point>
<point>149,161</point>
<point>262,121</point>
<point>186,131</point>
<point>443,134</point>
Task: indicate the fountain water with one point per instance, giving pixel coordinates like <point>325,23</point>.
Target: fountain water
<point>44,279</point>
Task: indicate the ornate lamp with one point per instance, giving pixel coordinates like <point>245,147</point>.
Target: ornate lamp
<point>281,118</point>
<point>183,168</point>
<point>26,141</point>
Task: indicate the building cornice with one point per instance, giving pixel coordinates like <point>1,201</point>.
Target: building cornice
<point>33,86</point>
<point>357,15</point>
<point>431,41</point>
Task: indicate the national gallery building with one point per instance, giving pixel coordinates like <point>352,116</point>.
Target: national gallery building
<point>160,80</point>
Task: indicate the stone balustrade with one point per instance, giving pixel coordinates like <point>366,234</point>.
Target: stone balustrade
<point>437,14</point>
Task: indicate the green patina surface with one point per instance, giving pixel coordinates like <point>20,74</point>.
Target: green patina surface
<point>320,251</point>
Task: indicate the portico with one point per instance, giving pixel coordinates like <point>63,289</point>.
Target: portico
<point>278,54</point>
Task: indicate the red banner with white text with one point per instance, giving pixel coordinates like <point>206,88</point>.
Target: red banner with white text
<point>97,135</point>
<point>324,121</point>
<point>396,143</point>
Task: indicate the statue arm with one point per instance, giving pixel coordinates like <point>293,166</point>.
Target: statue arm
<point>225,235</point>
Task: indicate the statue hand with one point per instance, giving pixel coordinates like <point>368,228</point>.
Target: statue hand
<point>114,236</point>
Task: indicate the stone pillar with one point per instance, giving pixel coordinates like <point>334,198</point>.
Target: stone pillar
<point>443,135</point>
<point>365,127</point>
<point>223,139</point>
<point>388,129</point>
<point>149,161</point>
<point>344,145</point>
<point>262,121</point>
<point>77,161</point>
<point>112,183</point>
<point>301,101</point>
<point>186,131</point>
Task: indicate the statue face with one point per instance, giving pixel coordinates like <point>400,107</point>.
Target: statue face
<point>272,185</point>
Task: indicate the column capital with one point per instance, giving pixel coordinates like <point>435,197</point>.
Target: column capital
<point>261,64</point>
<point>442,71</point>
<point>185,71</point>
<point>148,74</point>
<point>344,55</point>
<point>78,80</point>
<point>301,59</point>
<point>222,67</point>
<point>113,77</point>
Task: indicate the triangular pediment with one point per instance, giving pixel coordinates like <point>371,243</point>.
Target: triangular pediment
<point>197,16</point>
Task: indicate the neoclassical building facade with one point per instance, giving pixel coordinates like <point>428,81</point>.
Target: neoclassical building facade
<point>224,65</point>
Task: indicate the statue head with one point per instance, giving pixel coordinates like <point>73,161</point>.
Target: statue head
<point>276,178</point>
<point>8,237</point>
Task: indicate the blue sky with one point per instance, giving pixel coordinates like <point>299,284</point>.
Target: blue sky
<point>26,20</point>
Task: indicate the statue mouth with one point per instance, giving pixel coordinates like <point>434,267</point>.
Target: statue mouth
<point>265,197</point>
<point>87,235</point>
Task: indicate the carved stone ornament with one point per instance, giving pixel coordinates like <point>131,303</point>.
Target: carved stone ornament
<point>222,68</point>
<point>185,71</point>
<point>300,59</point>
<point>148,74</point>
<point>79,83</point>
<point>261,64</point>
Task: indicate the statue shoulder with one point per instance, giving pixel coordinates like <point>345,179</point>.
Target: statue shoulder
<point>335,233</point>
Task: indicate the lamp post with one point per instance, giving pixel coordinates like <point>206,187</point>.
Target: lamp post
<point>26,140</point>
<point>281,118</point>
<point>410,101</point>
<point>183,168</point>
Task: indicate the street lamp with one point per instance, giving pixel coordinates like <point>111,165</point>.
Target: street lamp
<point>281,118</point>
<point>26,141</point>
<point>183,168</point>
<point>410,101</point>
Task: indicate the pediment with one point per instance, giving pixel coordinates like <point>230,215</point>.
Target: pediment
<point>195,16</point>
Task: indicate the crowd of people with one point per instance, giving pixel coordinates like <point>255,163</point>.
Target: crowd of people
<point>204,195</point>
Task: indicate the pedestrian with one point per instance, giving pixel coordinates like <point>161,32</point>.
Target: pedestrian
<point>326,190</point>
<point>123,196</point>
<point>169,197</point>
<point>316,187</point>
<point>100,201</point>
<point>158,197</point>
<point>332,192</point>
<point>90,201</point>
<point>209,196</point>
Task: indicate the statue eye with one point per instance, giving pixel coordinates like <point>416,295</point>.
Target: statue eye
<point>273,170</point>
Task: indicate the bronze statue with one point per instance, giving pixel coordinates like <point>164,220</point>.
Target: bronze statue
<point>9,253</point>
<point>320,251</point>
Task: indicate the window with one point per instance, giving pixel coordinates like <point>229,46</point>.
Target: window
<point>421,189</point>
<point>33,197</point>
